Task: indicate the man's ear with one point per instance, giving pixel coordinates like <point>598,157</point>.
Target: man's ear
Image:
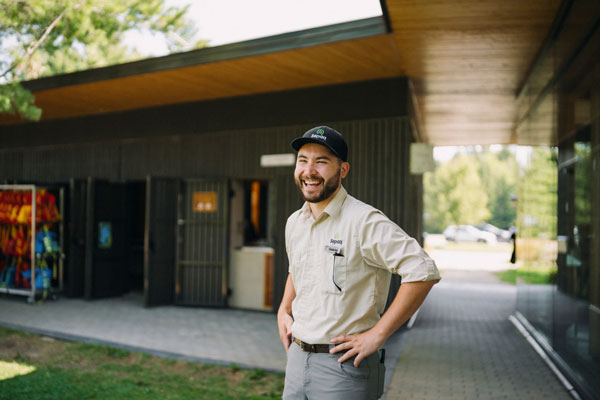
<point>345,168</point>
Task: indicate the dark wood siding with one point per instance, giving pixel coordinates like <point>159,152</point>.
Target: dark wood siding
<point>355,101</point>
<point>131,149</point>
<point>11,165</point>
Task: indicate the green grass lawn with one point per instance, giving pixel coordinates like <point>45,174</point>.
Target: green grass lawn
<point>530,275</point>
<point>35,367</point>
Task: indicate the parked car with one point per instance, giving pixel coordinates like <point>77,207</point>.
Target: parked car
<point>468,233</point>
<point>502,235</point>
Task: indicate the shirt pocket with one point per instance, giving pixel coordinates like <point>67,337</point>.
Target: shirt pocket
<point>336,272</point>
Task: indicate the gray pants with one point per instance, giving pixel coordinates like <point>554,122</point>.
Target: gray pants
<point>319,376</point>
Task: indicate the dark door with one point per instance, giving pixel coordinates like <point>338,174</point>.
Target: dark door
<point>159,241</point>
<point>202,242</point>
<point>106,272</point>
<point>76,230</point>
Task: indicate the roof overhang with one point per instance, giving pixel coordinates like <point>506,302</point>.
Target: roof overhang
<point>314,57</point>
<point>467,61</point>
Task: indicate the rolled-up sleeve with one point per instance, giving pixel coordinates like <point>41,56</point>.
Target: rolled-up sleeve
<point>384,244</point>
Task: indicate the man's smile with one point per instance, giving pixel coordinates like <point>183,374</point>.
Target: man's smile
<point>311,183</point>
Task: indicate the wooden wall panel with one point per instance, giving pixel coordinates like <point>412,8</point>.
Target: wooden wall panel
<point>378,156</point>
<point>11,165</point>
<point>220,140</point>
<point>150,156</point>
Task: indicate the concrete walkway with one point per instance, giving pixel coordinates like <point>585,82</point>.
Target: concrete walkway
<point>462,345</point>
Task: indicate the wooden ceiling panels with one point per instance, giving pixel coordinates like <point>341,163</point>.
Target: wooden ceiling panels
<point>468,59</point>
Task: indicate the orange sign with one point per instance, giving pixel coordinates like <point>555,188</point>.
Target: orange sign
<point>205,201</point>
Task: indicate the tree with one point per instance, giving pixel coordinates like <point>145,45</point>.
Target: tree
<point>498,173</point>
<point>538,195</point>
<point>45,37</point>
<point>454,195</point>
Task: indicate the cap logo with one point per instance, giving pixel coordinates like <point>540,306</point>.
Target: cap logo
<point>320,134</point>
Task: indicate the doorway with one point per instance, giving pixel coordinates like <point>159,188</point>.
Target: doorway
<point>105,253</point>
<point>251,266</point>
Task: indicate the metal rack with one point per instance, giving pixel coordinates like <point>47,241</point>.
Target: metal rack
<point>31,292</point>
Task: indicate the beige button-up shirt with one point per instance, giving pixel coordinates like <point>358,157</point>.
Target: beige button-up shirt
<point>341,265</point>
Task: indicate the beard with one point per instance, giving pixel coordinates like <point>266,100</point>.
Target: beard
<point>329,187</point>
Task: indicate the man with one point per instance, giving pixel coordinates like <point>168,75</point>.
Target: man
<point>342,253</point>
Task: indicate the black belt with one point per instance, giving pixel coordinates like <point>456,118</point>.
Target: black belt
<point>312,348</point>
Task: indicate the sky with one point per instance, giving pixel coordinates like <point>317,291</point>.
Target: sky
<point>230,21</point>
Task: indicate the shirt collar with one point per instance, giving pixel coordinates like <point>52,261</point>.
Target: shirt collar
<point>332,209</point>
<point>335,205</point>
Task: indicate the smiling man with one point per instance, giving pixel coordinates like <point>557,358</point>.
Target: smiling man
<point>342,253</point>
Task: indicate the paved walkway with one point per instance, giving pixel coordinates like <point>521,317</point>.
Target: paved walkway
<point>462,345</point>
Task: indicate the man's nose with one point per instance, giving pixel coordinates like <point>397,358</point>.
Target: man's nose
<point>310,167</point>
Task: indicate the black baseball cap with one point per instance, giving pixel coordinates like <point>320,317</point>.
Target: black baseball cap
<point>325,136</point>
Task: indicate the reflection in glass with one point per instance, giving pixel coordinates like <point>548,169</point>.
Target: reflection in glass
<point>572,320</point>
<point>537,246</point>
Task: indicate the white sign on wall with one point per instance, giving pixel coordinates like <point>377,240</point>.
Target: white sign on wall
<point>421,158</point>
<point>277,160</point>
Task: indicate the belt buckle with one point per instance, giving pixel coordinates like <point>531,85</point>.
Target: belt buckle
<point>307,347</point>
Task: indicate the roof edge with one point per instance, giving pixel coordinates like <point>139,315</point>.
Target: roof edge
<point>287,41</point>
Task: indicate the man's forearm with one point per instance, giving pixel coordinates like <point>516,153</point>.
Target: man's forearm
<point>284,314</point>
<point>289,294</point>
<point>409,298</point>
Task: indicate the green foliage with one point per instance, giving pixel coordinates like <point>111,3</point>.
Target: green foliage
<point>583,190</point>
<point>14,98</point>
<point>538,195</point>
<point>498,173</point>
<point>44,37</point>
<point>471,188</point>
<point>454,195</point>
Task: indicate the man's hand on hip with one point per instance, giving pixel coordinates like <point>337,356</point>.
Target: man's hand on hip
<point>360,345</point>
<point>284,314</point>
<point>284,323</point>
